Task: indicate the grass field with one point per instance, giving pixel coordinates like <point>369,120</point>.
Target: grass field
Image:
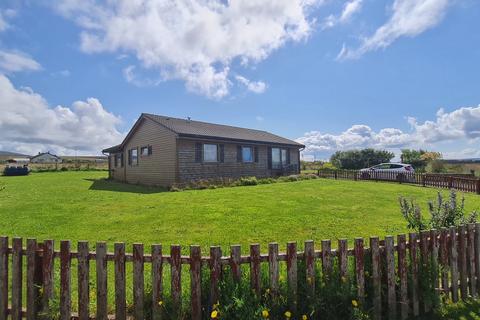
<point>84,206</point>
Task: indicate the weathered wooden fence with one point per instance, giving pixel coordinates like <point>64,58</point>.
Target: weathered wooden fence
<point>451,255</point>
<point>462,183</point>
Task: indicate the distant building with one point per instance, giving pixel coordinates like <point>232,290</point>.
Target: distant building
<point>45,157</point>
<point>19,161</point>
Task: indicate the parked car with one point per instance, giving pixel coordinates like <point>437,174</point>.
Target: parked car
<point>387,171</point>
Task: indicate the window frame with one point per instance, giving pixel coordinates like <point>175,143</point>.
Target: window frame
<point>205,160</point>
<point>148,149</point>
<point>252,155</point>
<point>133,163</point>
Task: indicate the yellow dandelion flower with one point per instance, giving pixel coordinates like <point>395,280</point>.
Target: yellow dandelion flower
<point>267,291</point>
<point>265,314</point>
<point>288,314</point>
<point>354,303</point>
<point>160,303</point>
<point>214,314</point>
<point>304,317</point>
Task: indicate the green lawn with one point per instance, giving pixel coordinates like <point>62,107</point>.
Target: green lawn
<point>84,206</point>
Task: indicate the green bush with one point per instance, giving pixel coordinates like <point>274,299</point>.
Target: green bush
<point>442,213</point>
<point>248,181</point>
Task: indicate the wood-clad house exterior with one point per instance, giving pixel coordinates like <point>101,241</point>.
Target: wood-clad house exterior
<point>162,151</point>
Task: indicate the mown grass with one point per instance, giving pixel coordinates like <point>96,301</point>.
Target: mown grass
<point>84,206</point>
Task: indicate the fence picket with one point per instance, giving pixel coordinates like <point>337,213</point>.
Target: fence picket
<point>390,259</point>
<point>48,273</point>
<point>176,278</point>
<point>3,278</point>
<point>413,252</point>
<point>444,260</point>
<point>327,260</point>
<point>101,274</point>
<point>138,281</point>
<point>462,263</point>
<point>454,262</point>
<point>359,269</point>
<point>471,260</point>
<point>343,259</point>
<point>65,281</point>
<point>376,278</point>
<point>310,266</point>
<point>235,257</point>
<point>292,274</point>
<point>255,272</point>
<point>435,247</point>
<point>273,270</point>
<point>120,282</point>
<point>17,278</point>
<point>196,282</point>
<point>157,282</point>
<point>477,253</point>
<point>31,288</point>
<point>215,273</point>
<point>83,281</point>
<point>425,266</point>
<point>402,275</point>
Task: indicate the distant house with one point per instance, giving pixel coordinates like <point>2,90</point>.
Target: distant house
<point>45,157</point>
<point>163,151</point>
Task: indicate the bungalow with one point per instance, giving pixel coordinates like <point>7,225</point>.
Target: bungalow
<point>45,157</point>
<point>162,151</point>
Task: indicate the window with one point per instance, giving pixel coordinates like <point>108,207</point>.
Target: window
<point>118,160</point>
<point>247,154</point>
<point>133,157</point>
<point>276,158</point>
<point>146,151</point>
<point>284,156</point>
<point>210,153</point>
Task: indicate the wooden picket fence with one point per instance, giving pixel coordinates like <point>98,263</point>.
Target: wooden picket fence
<point>459,182</point>
<point>454,254</point>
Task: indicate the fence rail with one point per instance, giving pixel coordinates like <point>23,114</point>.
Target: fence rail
<point>398,267</point>
<point>462,183</point>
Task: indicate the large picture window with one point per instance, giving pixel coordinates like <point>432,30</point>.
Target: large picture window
<point>247,154</point>
<point>210,153</point>
<point>276,158</point>
<point>284,156</point>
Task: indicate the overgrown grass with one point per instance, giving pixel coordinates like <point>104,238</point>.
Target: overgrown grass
<point>85,206</point>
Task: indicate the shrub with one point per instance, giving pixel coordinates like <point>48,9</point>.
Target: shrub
<point>443,213</point>
<point>248,181</point>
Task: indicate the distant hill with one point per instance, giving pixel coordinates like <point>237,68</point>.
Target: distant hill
<point>12,154</point>
<point>471,160</point>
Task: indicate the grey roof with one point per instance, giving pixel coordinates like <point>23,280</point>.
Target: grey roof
<point>191,128</point>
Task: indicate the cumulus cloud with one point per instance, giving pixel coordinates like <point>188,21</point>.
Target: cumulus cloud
<point>349,9</point>
<point>254,86</point>
<point>462,124</point>
<point>409,18</point>
<point>16,61</point>
<point>192,40</point>
<point>29,125</point>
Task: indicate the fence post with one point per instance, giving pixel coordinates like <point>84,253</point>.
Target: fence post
<point>478,186</point>
<point>335,174</point>
<point>310,266</point>
<point>196,282</point>
<point>157,282</point>
<point>138,281</point>
<point>65,281</point>
<point>402,274</point>
<point>17,275</point>
<point>31,288</point>
<point>273,270</point>
<point>3,278</point>
<point>376,279</point>
<point>359,269</point>
<point>292,275</point>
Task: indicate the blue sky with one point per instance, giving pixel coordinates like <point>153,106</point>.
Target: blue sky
<point>335,75</point>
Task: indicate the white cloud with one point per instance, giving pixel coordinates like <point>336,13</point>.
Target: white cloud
<point>29,125</point>
<point>254,86</point>
<point>192,40</point>
<point>16,61</point>
<point>4,14</point>
<point>409,18</point>
<point>259,118</point>
<point>132,77</point>
<point>460,125</point>
<point>349,9</point>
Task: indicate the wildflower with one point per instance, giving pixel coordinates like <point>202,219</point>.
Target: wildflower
<point>304,317</point>
<point>267,291</point>
<point>265,314</point>
<point>354,303</point>
<point>309,280</point>
<point>160,303</point>
<point>288,314</point>
<point>344,279</point>
<point>216,305</point>
<point>214,314</point>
